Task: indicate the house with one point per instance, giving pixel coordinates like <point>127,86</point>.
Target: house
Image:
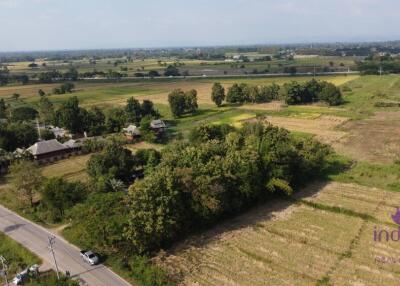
<point>131,132</point>
<point>158,126</point>
<point>75,145</point>
<point>48,151</point>
<point>58,132</point>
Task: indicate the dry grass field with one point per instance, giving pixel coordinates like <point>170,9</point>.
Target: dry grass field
<point>324,239</point>
<point>111,94</point>
<point>376,139</point>
<point>324,127</point>
<point>72,169</point>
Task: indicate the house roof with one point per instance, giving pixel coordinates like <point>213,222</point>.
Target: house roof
<point>44,147</point>
<point>73,143</point>
<point>57,131</point>
<point>158,123</point>
<point>132,129</point>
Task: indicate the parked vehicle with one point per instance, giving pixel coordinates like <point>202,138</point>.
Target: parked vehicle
<point>22,276</point>
<point>90,257</point>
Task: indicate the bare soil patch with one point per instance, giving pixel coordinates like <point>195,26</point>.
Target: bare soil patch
<point>376,139</point>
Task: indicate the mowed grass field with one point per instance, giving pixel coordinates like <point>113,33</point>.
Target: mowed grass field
<point>326,238</point>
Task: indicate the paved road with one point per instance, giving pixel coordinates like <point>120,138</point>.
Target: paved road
<point>35,238</point>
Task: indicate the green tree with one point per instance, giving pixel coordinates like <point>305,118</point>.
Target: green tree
<point>115,120</point>
<point>41,92</point>
<point>172,71</point>
<point>70,116</point>
<point>156,211</point>
<point>23,113</point>
<point>235,94</point>
<point>46,110</point>
<point>218,94</point>
<point>58,195</point>
<point>177,102</point>
<point>113,162</point>
<point>331,94</point>
<point>3,108</point>
<point>191,101</point>
<point>133,110</point>
<point>99,222</point>
<point>25,179</point>
<point>17,135</point>
<point>147,108</point>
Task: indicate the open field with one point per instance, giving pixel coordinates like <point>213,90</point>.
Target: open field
<point>376,139</point>
<point>111,94</point>
<point>326,238</point>
<point>192,66</point>
<point>322,126</point>
<point>72,169</point>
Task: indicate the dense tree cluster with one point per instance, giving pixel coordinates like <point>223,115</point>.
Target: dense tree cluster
<point>172,70</point>
<point>241,93</point>
<point>182,102</point>
<point>198,183</point>
<point>136,111</point>
<point>94,121</point>
<point>23,113</point>
<point>312,91</point>
<point>17,135</point>
<point>55,75</point>
<point>114,162</point>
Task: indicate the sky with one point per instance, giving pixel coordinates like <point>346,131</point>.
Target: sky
<point>97,24</point>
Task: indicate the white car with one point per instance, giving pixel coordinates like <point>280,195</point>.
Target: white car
<point>90,257</point>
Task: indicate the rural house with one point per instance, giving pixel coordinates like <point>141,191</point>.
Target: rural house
<point>75,145</point>
<point>48,151</point>
<point>158,126</point>
<point>131,132</point>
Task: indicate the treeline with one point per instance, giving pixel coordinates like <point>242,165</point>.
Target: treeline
<point>312,91</point>
<point>375,66</point>
<point>242,93</point>
<point>292,93</point>
<point>6,77</point>
<point>93,120</point>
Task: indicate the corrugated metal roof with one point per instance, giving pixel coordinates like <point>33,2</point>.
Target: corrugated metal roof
<point>44,147</point>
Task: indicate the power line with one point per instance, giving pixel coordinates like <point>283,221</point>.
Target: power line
<point>4,268</point>
<point>51,243</point>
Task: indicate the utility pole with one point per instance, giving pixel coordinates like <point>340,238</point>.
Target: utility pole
<point>4,268</point>
<point>380,71</point>
<point>51,243</point>
<point>38,128</point>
